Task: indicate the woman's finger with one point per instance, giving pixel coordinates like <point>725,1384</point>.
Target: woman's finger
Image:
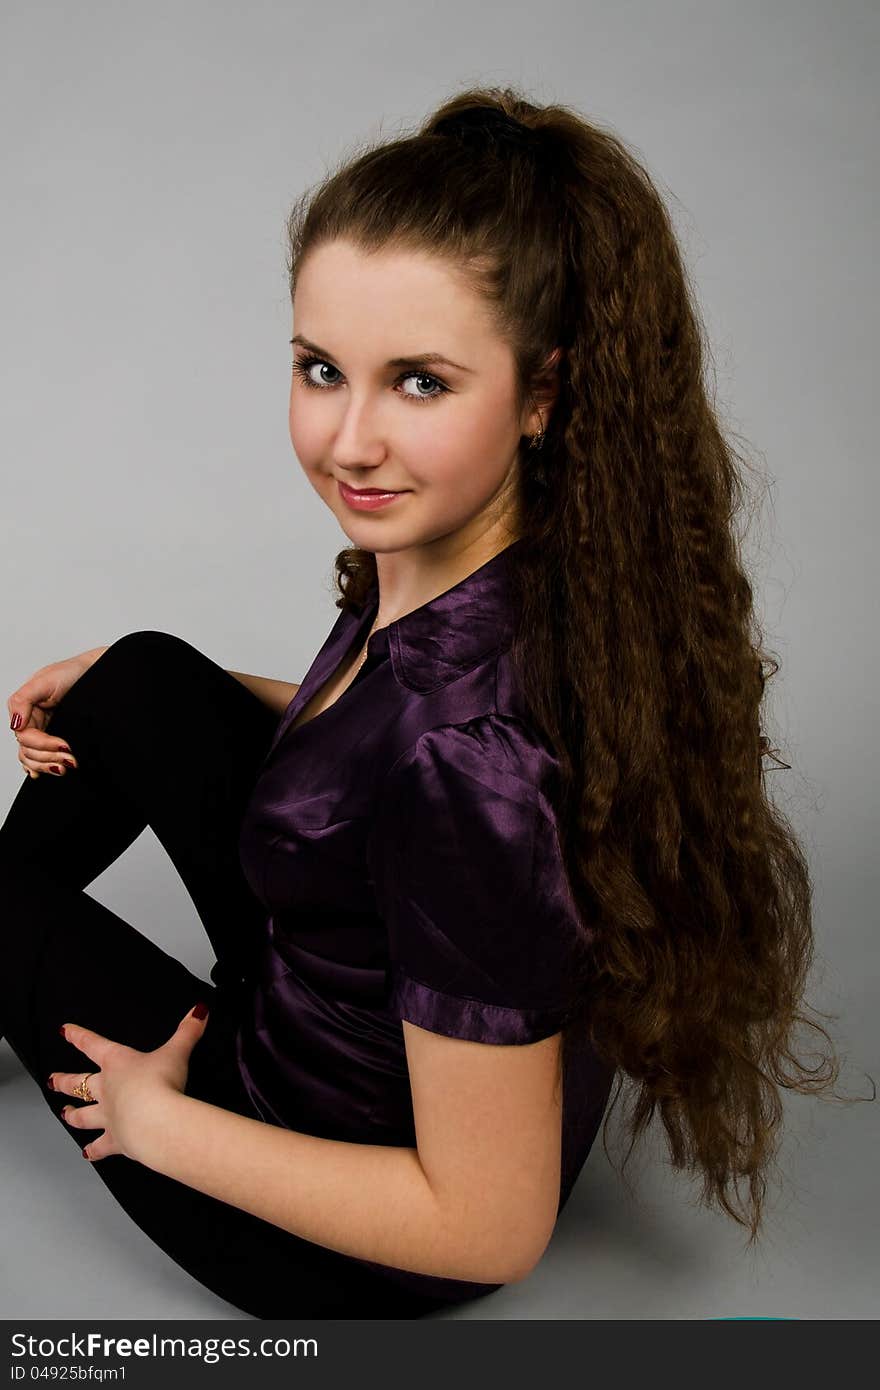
<point>31,768</point>
<point>45,759</point>
<point>38,742</point>
<point>101,1148</point>
<point>83,1117</point>
<point>66,1081</point>
<point>53,769</point>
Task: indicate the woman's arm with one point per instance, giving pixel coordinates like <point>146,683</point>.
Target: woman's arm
<point>368,1200</point>
<point>476,1200</point>
<point>276,694</point>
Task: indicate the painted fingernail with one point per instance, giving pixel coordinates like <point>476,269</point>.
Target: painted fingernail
<point>15,721</point>
<point>200,1011</point>
<point>62,1032</point>
<point>68,763</point>
<point>51,1084</point>
<point>53,767</point>
<point>85,1154</point>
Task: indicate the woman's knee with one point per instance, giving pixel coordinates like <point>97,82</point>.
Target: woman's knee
<point>146,653</point>
<point>130,668</point>
<point>150,642</point>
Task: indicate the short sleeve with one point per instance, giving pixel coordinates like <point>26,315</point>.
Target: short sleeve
<point>469,878</point>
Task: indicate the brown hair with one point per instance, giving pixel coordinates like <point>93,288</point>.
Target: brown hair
<point>637,644</point>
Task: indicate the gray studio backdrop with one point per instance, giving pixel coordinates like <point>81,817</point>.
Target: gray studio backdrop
<point>149,156</point>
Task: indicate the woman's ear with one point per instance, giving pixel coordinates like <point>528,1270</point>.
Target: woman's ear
<point>544,394</point>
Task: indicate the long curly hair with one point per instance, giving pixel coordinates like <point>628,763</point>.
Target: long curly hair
<point>637,645</point>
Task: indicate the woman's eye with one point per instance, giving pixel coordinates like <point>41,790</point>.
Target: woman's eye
<point>311,371</point>
<point>304,367</point>
<point>423,377</point>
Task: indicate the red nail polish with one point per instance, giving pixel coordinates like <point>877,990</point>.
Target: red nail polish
<point>62,1032</point>
<point>53,767</point>
<point>15,721</point>
<point>51,1084</point>
<point>200,1011</point>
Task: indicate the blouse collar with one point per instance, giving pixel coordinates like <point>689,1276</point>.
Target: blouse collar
<point>447,636</point>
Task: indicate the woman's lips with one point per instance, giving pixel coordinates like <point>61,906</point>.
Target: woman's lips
<point>366,499</point>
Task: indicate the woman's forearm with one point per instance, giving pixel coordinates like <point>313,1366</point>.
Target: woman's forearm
<point>91,656</point>
<point>276,694</point>
<point>372,1201</point>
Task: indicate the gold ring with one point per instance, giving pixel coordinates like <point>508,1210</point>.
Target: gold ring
<point>82,1089</point>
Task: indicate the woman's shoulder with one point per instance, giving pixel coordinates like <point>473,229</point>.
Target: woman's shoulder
<point>496,750</point>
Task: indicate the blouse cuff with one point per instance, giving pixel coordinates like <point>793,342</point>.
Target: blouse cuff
<point>458,1017</point>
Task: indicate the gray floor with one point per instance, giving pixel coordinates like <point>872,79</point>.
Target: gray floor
<point>70,1251</point>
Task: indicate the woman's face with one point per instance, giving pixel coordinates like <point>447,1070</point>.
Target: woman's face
<point>444,435</point>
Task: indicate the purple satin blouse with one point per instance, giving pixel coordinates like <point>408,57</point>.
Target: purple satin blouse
<point>404,846</point>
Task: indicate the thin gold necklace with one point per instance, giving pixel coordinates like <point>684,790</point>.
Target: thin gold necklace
<point>365,652</point>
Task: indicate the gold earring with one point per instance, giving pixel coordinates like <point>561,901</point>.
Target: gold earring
<point>537,440</point>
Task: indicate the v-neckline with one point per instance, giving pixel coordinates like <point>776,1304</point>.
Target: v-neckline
<point>297,723</point>
<point>326,666</point>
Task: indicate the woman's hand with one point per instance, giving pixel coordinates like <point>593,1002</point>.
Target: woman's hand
<point>30,710</point>
<point>128,1085</point>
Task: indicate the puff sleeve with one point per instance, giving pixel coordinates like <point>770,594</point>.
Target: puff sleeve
<point>469,878</point>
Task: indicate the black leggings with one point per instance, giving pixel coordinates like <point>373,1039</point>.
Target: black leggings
<point>163,737</point>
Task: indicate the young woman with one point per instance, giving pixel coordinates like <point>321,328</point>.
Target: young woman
<point>509,838</point>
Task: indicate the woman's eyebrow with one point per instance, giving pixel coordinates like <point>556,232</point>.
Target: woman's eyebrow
<point>434,358</point>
